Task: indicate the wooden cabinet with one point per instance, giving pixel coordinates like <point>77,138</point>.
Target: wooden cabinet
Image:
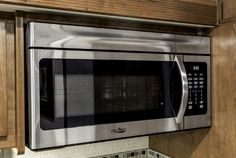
<point>11,83</point>
<point>3,81</point>
<point>228,9</point>
<point>185,11</point>
<point>7,85</point>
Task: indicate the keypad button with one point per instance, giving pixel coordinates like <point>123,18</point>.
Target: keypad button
<point>201,82</point>
<point>201,74</point>
<point>201,86</point>
<point>201,102</point>
<point>190,87</point>
<point>195,79</point>
<point>201,78</point>
<point>195,82</point>
<point>190,79</point>
<point>190,107</point>
<point>201,106</point>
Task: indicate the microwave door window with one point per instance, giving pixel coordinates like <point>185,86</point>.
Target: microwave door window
<point>71,94</point>
<point>89,92</point>
<point>129,91</point>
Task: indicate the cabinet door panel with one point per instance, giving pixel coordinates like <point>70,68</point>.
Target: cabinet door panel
<point>3,85</point>
<point>7,85</point>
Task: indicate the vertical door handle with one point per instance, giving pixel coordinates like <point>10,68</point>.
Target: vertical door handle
<point>184,97</point>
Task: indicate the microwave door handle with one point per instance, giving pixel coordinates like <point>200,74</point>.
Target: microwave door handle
<point>184,97</point>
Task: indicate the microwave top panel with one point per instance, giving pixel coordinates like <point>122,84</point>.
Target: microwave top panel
<point>46,35</point>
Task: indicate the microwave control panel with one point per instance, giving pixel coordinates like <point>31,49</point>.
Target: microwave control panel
<point>197,87</point>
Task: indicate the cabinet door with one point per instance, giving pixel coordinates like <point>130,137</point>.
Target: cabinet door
<point>3,81</point>
<point>7,85</point>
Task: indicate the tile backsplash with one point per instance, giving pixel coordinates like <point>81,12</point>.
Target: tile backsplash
<point>141,153</point>
<point>83,151</point>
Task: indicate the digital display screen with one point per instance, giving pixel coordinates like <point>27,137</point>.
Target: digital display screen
<point>195,67</point>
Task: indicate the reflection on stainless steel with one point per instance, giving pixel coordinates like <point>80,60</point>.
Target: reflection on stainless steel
<point>81,37</point>
<point>184,98</point>
<point>98,55</point>
<point>102,44</point>
<point>193,45</point>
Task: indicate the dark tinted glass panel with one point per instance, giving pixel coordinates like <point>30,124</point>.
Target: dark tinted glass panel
<point>197,81</point>
<point>175,88</point>
<point>87,92</point>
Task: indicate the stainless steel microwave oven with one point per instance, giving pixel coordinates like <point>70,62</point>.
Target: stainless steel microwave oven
<point>89,84</point>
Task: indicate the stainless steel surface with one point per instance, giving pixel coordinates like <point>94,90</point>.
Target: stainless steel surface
<point>184,82</point>
<point>118,130</point>
<point>80,37</point>
<point>98,55</point>
<point>192,44</point>
<point>197,121</point>
<point>47,138</point>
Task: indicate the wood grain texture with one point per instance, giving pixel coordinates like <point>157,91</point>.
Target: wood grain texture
<point>229,9</point>
<point>20,91</point>
<point>3,80</point>
<point>6,15</point>
<point>204,2</point>
<point>220,140</point>
<point>10,140</point>
<point>202,12</point>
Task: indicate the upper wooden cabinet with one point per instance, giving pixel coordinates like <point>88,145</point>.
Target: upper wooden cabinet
<point>228,9</point>
<point>186,11</point>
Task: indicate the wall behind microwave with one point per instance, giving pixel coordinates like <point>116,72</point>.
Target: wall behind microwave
<point>83,151</point>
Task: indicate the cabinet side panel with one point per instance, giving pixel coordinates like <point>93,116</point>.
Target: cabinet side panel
<point>3,87</point>
<point>20,91</point>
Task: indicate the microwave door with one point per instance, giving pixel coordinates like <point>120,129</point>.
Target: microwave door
<point>101,95</point>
